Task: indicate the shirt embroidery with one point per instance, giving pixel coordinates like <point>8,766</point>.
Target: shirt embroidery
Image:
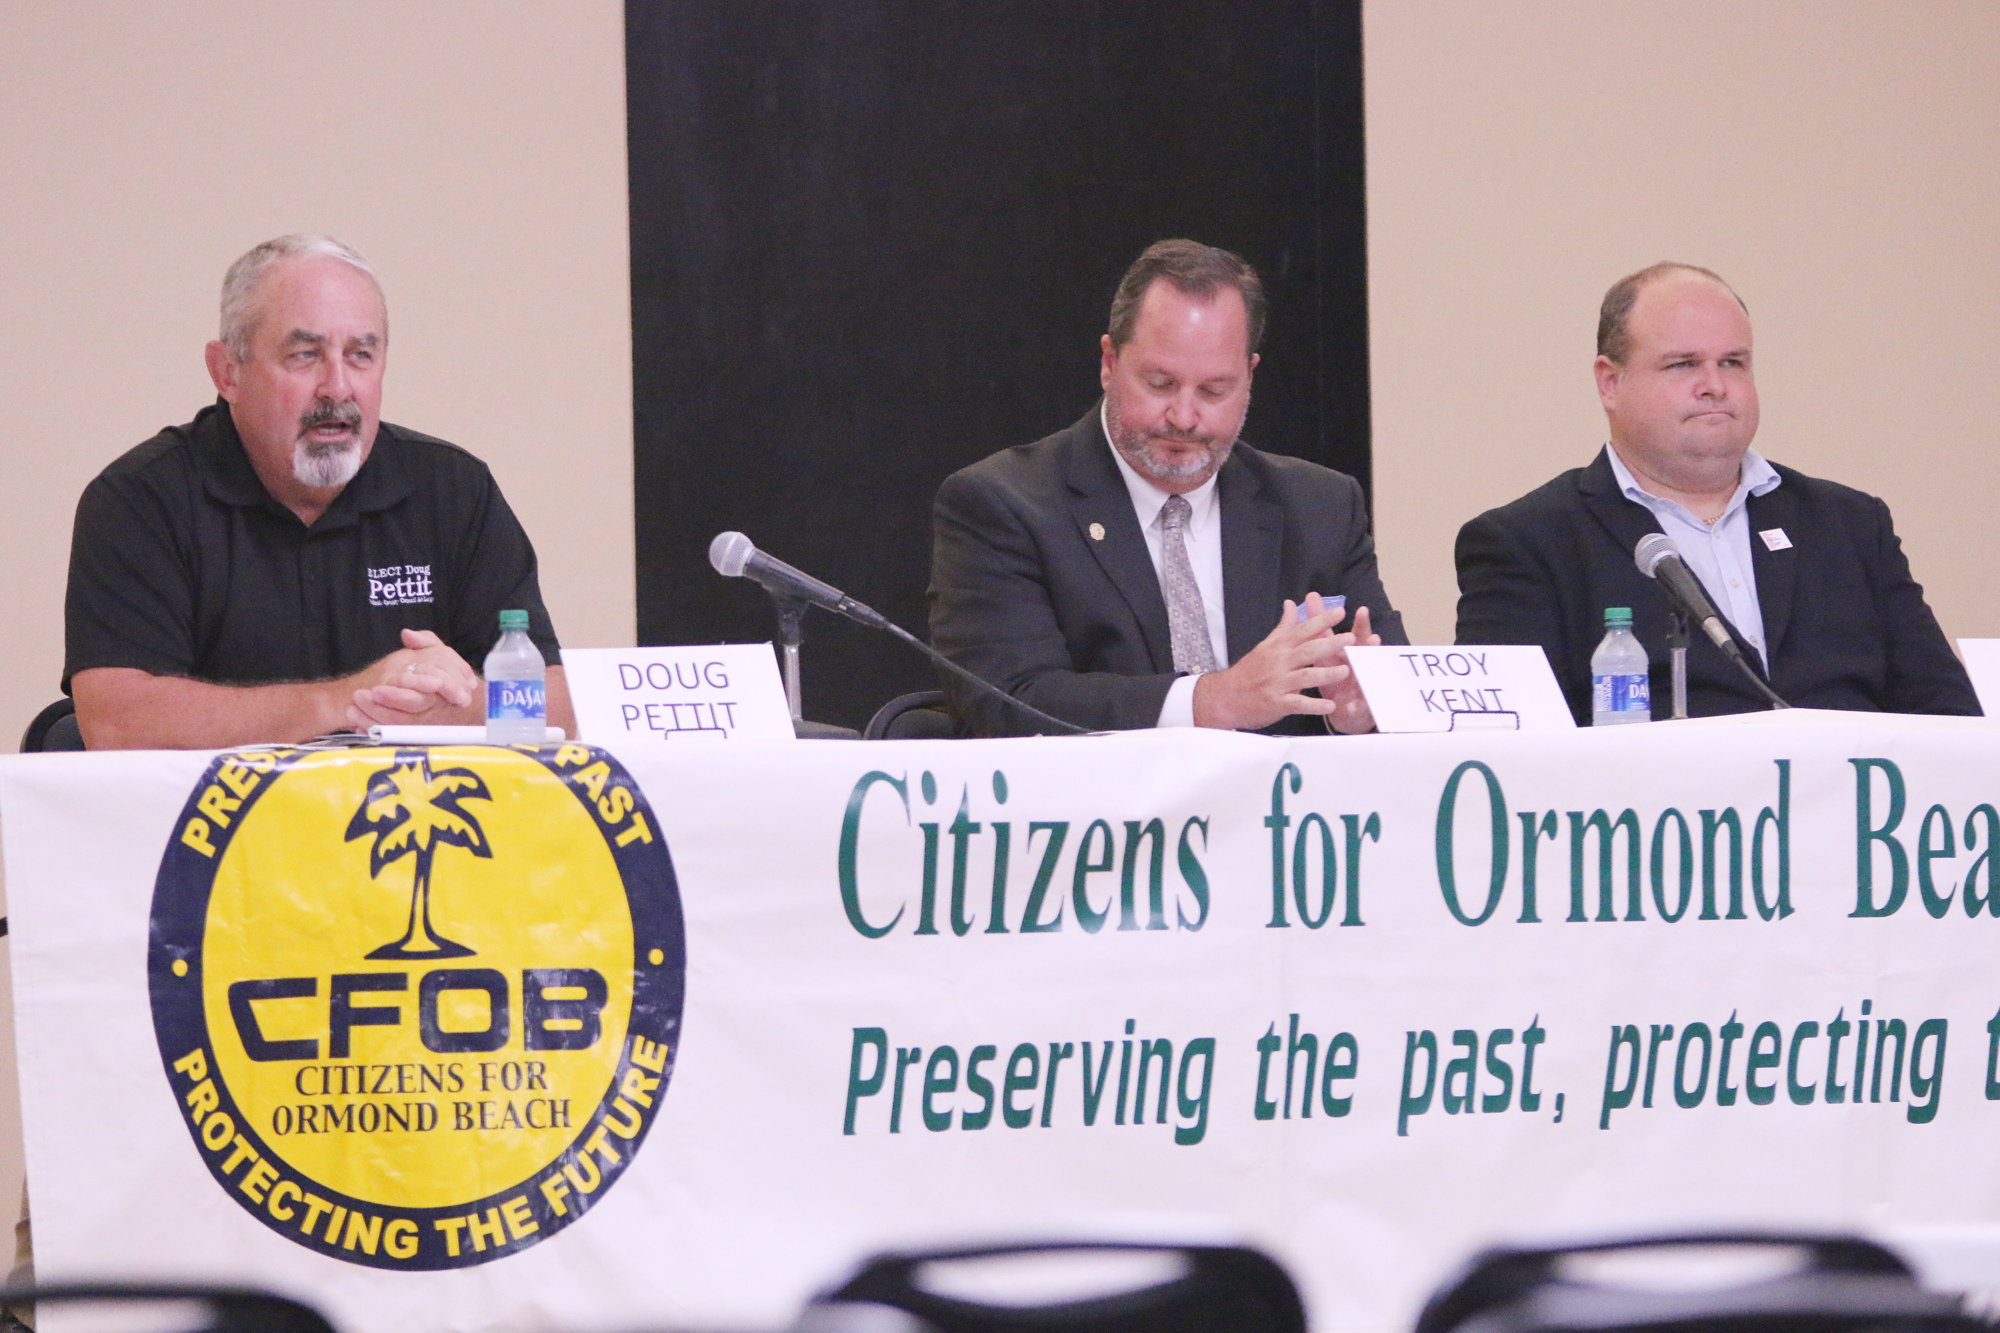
<point>399,585</point>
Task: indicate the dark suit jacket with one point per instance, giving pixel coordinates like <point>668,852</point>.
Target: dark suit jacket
<point>1845,624</point>
<point>1022,595</point>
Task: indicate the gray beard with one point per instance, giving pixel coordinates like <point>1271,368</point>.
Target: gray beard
<point>1154,464</point>
<point>326,468</point>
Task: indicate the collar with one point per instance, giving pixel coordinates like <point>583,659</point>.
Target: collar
<point>1148,499</point>
<point>1756,478</point>
<point>224,467</point>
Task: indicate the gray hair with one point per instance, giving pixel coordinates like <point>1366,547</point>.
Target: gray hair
<point>1614,317</point>
<point>239,285</point>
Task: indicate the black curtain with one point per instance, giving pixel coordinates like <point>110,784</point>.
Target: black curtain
<point>875,240</point>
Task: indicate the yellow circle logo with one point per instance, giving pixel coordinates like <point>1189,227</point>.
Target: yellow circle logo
<point>419,1006</point>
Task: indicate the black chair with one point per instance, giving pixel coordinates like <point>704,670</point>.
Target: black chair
<point>222,1309</point>
<point>912,717</point>
<point>1756,1282</point>
<point>823,731</point>
<point>54,728</point>
<point>1182,1289</point>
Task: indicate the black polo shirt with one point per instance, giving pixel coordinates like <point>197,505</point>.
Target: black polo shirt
<point>183,565</point>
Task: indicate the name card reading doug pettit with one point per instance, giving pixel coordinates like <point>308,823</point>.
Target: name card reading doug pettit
<point>1464,688</point>
<point>713,692</point>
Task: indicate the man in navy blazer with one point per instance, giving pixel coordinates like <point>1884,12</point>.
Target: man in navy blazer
<point>1808,573</point>
<point>1054,563</point>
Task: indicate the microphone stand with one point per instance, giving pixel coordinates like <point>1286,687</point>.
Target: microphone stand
<point>791,635</point>
<point>1677,650</point>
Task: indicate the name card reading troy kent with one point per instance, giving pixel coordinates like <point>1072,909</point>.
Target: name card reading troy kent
<point>1462,688</point>
<point>726,691</point>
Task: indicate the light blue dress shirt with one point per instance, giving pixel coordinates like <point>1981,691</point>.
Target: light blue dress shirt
<point>1719,552</point>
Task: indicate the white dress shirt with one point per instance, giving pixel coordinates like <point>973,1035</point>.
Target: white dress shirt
<point>1203,536</point>
<point>1718,552</point>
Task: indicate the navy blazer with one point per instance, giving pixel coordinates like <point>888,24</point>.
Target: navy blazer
<point>1023,595</point>
<point>1844,623</point>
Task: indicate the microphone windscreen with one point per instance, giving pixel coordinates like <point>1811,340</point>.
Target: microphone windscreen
<point>1651,550</point>
<point>730,552</point>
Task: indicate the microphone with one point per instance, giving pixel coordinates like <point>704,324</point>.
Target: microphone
<point>735,556</point>
<point>1658,558</point>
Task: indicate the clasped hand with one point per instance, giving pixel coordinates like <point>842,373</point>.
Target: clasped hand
<point>1269,681</point>
<point>422,682</point>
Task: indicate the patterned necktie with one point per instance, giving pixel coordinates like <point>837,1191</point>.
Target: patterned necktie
<point>1186,620</point>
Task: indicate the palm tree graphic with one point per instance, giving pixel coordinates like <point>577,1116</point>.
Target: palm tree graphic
<point>412,809</point>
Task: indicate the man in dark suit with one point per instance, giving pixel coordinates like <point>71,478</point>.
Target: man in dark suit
<point>1808,574</point>
<point>1127,572</point>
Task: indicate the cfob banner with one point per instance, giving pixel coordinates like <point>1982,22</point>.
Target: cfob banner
<point>598,1037</point>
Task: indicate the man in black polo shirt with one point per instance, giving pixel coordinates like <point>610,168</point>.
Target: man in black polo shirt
<point>288,564</point>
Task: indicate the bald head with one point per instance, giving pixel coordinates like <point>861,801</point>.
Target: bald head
<point>1614,317</point>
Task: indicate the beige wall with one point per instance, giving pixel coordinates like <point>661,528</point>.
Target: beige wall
<point>1838,161</point>
<point>473,150</point>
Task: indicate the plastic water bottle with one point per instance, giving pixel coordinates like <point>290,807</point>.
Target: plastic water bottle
<point>1620,676</point>
<point>517,710</point>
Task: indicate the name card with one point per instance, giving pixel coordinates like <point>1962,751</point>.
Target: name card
<point>1468,688</point>
<point>717,692</point>
<point>1982,663</point>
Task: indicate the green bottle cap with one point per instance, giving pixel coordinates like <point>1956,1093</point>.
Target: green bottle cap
<point>1614,616</point>
<point>519,619</point>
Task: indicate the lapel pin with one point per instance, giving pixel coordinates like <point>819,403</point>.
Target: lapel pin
<point>1097,532</point>
<point>1775,539</point>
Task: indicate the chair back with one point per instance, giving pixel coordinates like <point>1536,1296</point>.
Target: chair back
<point>1086,1287</point>
<point>921,716</point>
<point>1704,1282</point>
<point>54,728</point>
<point>170,1307</point>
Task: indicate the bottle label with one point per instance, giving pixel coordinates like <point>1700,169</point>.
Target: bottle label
<point>516,699</point>
<point>1622,694</point>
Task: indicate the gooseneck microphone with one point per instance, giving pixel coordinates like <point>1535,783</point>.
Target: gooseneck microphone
<point>1659,559</point>
<point>735,556</point>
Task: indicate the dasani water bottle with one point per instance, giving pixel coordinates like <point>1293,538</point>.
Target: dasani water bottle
<point>516,707</point>
<point>1620,676</point>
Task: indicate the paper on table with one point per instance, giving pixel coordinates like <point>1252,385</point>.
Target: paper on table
<point>444,735</point>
